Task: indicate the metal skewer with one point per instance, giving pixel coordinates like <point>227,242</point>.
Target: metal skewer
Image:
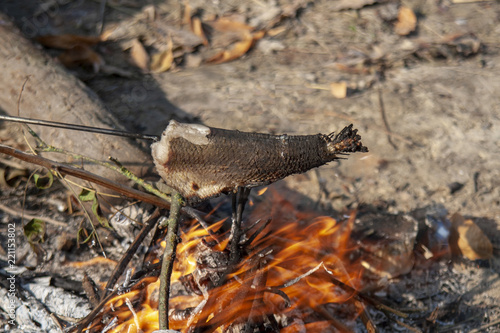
<point>80,128</point>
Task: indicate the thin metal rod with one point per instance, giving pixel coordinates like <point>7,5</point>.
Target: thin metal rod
<point>79,128</point>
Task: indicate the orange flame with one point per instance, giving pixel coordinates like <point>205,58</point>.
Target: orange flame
<point>289,266</point>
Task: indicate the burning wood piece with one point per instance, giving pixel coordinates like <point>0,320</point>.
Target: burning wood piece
<point>202,162</point>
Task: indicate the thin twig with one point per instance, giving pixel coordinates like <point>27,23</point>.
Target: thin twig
<point>384,118</point>
<point>43,146</point>
<point>485,326</point>
<point>148,187</point>
<point>88,319</point>
<point>102,17</point>
<point>321,309</point>
<point>360,296</point>
<point>21,95</point>
<point>408,327</point>
<point>281,293</point>
<point>110,325</point>
<point>239,200</point>
<point>15,165</point>
<point>117,272</point>
<point>85,175</point>
<point>85,211</point>
<point>131,309</point>
<point>298,278</point>
<point>104,182</point>
<point>195,214</point>
<point>365,316</point>
<point>90,289</point>
<point>257,233</point>
<point>14,212</point>
<point>168,259</point>
<point>119,168</point>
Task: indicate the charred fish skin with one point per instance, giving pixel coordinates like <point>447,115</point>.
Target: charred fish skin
<point>202,162</point>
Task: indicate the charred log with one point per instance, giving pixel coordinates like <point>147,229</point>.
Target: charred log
<point>201,162</point>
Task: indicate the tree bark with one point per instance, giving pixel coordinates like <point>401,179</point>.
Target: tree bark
<point>52,93</point>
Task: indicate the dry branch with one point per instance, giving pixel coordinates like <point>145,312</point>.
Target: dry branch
<point>85,175</point>
<point>64,97</point>
<point>167,264</point>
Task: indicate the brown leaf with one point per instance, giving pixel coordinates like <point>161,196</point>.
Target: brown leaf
<point>338,89</point>
<point>67,41</point>
<point>275,31</point>
<point>224,24</point>
<point>139,56</point>
<point>407,21</point>
<point>197,29</point>
<point>238,49</point>
<point>11,177</point>
<point>81,55</point>
<point>108,33</point>
<point>468,239</point>
<point>186,17</point>
<point>162,61</point>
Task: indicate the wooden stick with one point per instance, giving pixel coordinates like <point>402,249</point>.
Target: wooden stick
<point>167,264</point>
<point>85,175</point>
<point>28,216</point>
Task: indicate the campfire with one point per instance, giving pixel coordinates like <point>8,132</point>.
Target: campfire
<point>295,268</point>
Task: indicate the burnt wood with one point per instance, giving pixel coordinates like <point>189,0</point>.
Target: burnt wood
<point>201,162</point>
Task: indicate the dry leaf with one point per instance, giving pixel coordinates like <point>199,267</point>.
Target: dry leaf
<point>407,21</point>
<point>275,31</point>
<point>81,55</point>
<point>186,17</point>
<point>468,239</point>
<point>226,25</point>
<point>162,61</point>
<point>238,49</point>
<point>197,29</point>
<point>139,56</point>
<point>67,41</point>
<point>338,89</point>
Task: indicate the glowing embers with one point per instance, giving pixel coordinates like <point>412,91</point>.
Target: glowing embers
<point>289,274</point>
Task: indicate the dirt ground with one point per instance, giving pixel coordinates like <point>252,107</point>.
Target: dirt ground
<point>426,104</point>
